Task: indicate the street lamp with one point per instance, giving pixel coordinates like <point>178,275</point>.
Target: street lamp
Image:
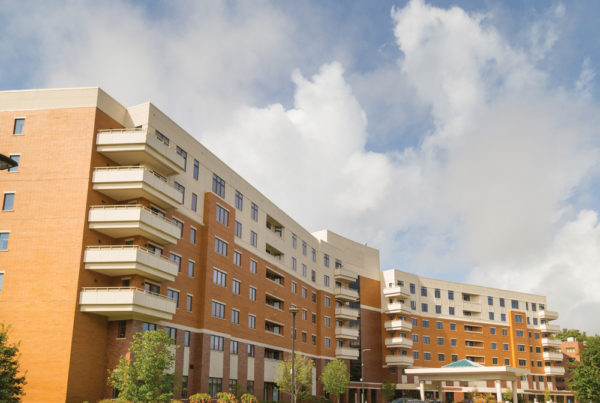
<point>7,162</point>
<point>293,311</point>
<point>362,365</point>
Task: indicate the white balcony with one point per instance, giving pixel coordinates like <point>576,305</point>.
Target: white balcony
<point>548,328</point>
<point>126,303</point>
<point>346,353</point>
<point>552,356</point>
<point>398,324</point>
<point>129,183</point>
<point>139,146</point>
<point>347,333</point>
<point>124,221</point>
<point>471,306</point>
<point>396,291</point>
<point>550,342</point>
<point>346,294</point>
<point>341,274</point>
<point>398,342</point>
<point>345,312</point>
<point>129,260</point>
<point>548,315</point>
<point>397,307</point>
<point>559,371</point>
<point>399,360</point>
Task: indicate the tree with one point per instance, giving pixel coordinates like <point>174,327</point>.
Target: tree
<point>585,379</point>
<point>388,388</point>
<point>335,377</point>
<point>303,367</point>
<point>11,382</point>
<point>565,333</point>
<point>144,376</point>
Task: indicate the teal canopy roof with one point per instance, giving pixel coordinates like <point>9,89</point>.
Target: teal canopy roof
<point>462,363</point>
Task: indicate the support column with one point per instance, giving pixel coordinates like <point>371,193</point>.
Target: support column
<point>422,389</point>
<point>498,391</point>
<point>441,394</point>
<point>513,386</point>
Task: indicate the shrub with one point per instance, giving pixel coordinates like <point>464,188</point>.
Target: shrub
<point>200,398</point>
<point>248,398</point>
<point>226,397</point>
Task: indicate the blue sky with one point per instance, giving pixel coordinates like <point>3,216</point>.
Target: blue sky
<point>459,138</point>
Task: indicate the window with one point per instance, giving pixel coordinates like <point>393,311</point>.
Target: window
<point>533,306</point>
<point>426,356</point>
<point>327,342</point>
<point>440,341</point>
<point>439,325</point>
<point>239,200</point>
<point>304,270</point>
<point>161,137</point>
<point>216,343</point>
<point>314,253</point>
<point>186,338</point>
<point>423,291</point>
<point>235,287</point>
<point>450,295</point>
<point>326,260</point>
<point>219,277</point>
<point>148,326</point>
<point>182,152</point>
<point>218,310</point>
<point>196,169</point>
<point>507,361</point>
<point>425,339</point>
<point>314,339</point>
<point>492,331</point>
<point>326,280</point>
<point>424,308</point>
<point>438,309</point>
<point>522,363</point>
<point>521,348</point>
<point>192,235</point>
<point>501,302</point>
<point>413,305</point>
<point>294,286</point>
<point>19,125</point>
<point>304,248</point>
<point>505,346</point>
<point>152,288</point>
<point>313,317</point>
<point>250,350</point>
<point>314,297</point>
<point>121,329</point>
<point>294,241</point>
<point>304,314</point>
<point>304,337</point>
<point>313,276</point>
<point>504,332</point>
<point>490,300</point>
<point>9,199</point>
<point>181,189</point>
<point>294,263</point>
<point>503,317</point>
<point>453,342</point>
<point>222,215</point>
<point>415,355</point>
<point>174,295</point>
<point>518,318</point>
<point>172,333</point>
<point>494,345</point>
<point>327,321</point>
<point>194,202</point>
<point>491,315</point>
<point>441,357</point>
<point>177,259</point>
<point>254,211</point>
<point>218,186</point>
<point>220,247</point>
<point>252,266</point>
<point>238,229</point>
<point>235,316</point>
<point>253,238</point>
<point>520,333</point>
<point>191,268</point>
<point>454,357</point>
<point>495,361</point>
<point>535,321</point>
<point>179,225</point>
<point>412,288</point>
<point>415,338</point>
<point>252,294</point>
<point>251,321</point>
<point>304,292</point>
<point>414,321</point>
<point>452,326</point>
<point>16,158</point>
<point>237,258</point>
<point>437,293</point>
<point>327,301</point>
<point>233,348</point>
<point>514,304</point>
<point>451,310</point>
<point>188,302</point>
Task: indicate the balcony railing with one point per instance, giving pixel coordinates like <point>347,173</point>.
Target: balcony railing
<point>552,356</point>
<point>399,360</point>
<point>471,306</point>
<point>346,294</point>
<point>548,328</point>
<point>397,307</point>
<point>139,146</point>
<point>550,342</point>
<point>122,221</point>
<point>346,353</point>
<point>341,274</point>
<point>559,371</point>
<point>396,291</point>
<point>345,312</point>
<point>119,303</point>
<point>346,333</point>
<point>397,324</point>
<point>133,182</point>
<point>398,342</point>
<point>548,315</point>
<point>126,260</point>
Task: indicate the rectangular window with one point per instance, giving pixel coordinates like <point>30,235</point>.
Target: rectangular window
<point>505,346</point>
<point>314,297</point>
<point>452,326</point>
<point>220,247</point>
<point>441,357</point>
<point>188,302</point>
<point>17,158</point>
<point>122,329</point>
<point>504,332</point>
<point>314,339</point>
<point>439,325</point>
<point>424,308</point>
<point>491,315</point>
<point>251,321</point>
<point>237,258</point>
<point>492,331</point>
<point>177,259</point>
<point>218,310</point>
<point>161,137</point>
<point>294,241</point>
<point>196,169</point>
<point>440,341</point>
<point>179,225</point>
<point>250,350</point>
<point>233,347</point>
<point>451,310</point>
<point>425,324</point>
<point>238,229</point>
<point>494,347</point>
<point>415,338</point>
<point>148,326</point>
<point>522,363</point>
<point>425,339</point>
<point>253,266</point>
<point>294,286</point>
<point>327,321</point>
<point>518,318</point>
<point>533,306</point>
<point>304,270</point>
<point>415,355</point>
<point>314,254</point>
<point>521,348</point>
<point>182,152</point>
<point>313,318</point>
<point>313,276</point>
<point>450,295</point>
<point>218,187</point>
<point>186,338</point>
<point>254,211</point>
<point>514,304</point>
<point>235,287</point>
<point>412,288</point>
<point>216,343</point>
<point>19,125</point>
<point>222,215</point>
<point>252,294</point>
<point>503,317</point>
<point>438,309</point>
<point>520,333</point>
<point>327,301</point>
<point>181,189</point>
<point>239,200</point>
<point>194,202</point>
<point>304,248</point>
<point>294,264</point>
<point>413,305</point>
<point>426,356</point>
<point>327,342</point>
<point>423,291</point>
<point>174,295</point>
<point>304,314</point>
<point>490,300</point>
<point>326,260</point>
<point>191,268</point>
<point>219,277</point>
<point>172,333</point>
<point>453,342</point>
<point>501,302</point>
<point>253,238</point>
<point>192,235</point>
<point>235,316</point>
<point>9,199</point>
<point>437,293</point>
<point>326,280</point>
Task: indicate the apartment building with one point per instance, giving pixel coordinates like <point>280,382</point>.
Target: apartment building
<point>117,221</point>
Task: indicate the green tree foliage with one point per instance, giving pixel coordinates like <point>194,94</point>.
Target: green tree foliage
<point>508,395</point>
<point>303,367</point>
<point>11,382</point>
<point>575,333</point>
<point>335,377</point>
<point>145,375</point>
<point>585,380</point>
<point>388,388</point>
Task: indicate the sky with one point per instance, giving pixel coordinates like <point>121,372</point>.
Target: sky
<point>459,138</point>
